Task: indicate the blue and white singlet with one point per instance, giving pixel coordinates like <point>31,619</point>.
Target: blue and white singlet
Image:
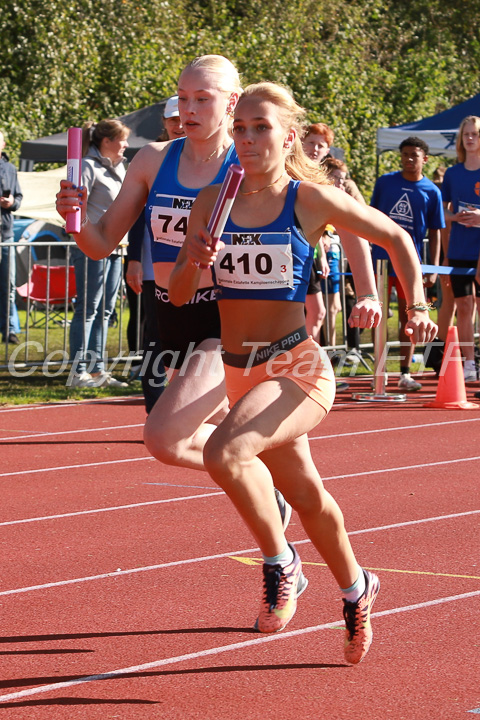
<point>272,262</point>
<point>169,203</point>
<point>167,212</point>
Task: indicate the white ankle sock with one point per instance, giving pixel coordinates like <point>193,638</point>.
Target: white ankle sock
<point>355,591</point>
<point>283,559</point>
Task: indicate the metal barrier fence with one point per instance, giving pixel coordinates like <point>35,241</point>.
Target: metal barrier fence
<point>44,344</point>
<point>41,316</point>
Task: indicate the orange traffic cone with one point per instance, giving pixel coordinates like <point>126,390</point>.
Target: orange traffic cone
<point>451,393</point>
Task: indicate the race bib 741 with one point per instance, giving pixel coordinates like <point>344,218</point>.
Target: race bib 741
<point>169,219</point>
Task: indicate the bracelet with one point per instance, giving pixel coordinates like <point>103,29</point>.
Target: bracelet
<point>367,297</point>
<point>84,221</point>
<point>421,306</point>
<point>374,298</point>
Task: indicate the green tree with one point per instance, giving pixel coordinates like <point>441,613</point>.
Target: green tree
<point>357,65</point>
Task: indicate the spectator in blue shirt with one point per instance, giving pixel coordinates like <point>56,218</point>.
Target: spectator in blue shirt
<point>415,203</point>
<point>461,199</point>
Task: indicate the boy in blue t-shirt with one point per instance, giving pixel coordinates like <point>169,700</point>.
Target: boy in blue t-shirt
<point>415,203</point>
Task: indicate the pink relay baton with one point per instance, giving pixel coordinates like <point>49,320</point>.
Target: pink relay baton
<point>224,203</point>
<point>74,174</point>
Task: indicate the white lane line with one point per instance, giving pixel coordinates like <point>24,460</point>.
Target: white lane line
<point>60,405</point>
<point>424,426</point>
<point>68,432</point>
<point>406,523</point>
<point>331,477</point>
<point>403,467</point>
<point>75,467</point>
<point>50,406</point>
<point>206,558</point>
<point>164,662</point>
<point>320,437</point>
<point>153,502</point>
<point>167,484</point>
<point>112,508</point>
<point>118,573</point>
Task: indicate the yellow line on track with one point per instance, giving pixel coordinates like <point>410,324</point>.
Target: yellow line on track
<point>259,561</point>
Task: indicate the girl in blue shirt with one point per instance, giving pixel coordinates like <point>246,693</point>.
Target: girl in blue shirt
<point>461,201</point>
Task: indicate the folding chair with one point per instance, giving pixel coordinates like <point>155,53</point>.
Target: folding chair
<point>49,290</point>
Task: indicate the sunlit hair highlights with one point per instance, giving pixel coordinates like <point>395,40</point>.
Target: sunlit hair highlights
<point>461,154</point>
<point>291,116</point>
<point>227,76</point>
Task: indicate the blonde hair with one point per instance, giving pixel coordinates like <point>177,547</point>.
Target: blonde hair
<point>94,133</point>
<point>461,154</point>
<point>291,116</point>
<point>228,77</point>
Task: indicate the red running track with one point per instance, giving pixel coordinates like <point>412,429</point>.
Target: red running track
<point>129,589</point>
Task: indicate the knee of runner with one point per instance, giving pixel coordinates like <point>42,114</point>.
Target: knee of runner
<point>220,457</point>
<point>161,444</point>
<point>306,498</point>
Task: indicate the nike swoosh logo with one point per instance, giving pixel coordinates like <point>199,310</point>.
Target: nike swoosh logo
<point>286,610</point>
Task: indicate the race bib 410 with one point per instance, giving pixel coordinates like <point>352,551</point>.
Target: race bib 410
<point>255,261</point>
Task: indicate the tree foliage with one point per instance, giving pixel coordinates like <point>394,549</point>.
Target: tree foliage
<point>356,65</point>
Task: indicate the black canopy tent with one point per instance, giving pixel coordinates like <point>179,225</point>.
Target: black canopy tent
<point>146,125</point>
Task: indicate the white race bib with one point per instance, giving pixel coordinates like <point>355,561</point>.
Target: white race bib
<point>464,207</point>
<point>255,261</point>
<point>169,219</point>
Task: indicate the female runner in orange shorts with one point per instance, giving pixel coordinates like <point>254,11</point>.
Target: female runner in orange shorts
<point>279,382</point>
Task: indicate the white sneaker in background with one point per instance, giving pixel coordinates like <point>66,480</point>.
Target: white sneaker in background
<point>104,379</point>
<point>469,371</point>
<point>81,380</point>
<point>407,383</point>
